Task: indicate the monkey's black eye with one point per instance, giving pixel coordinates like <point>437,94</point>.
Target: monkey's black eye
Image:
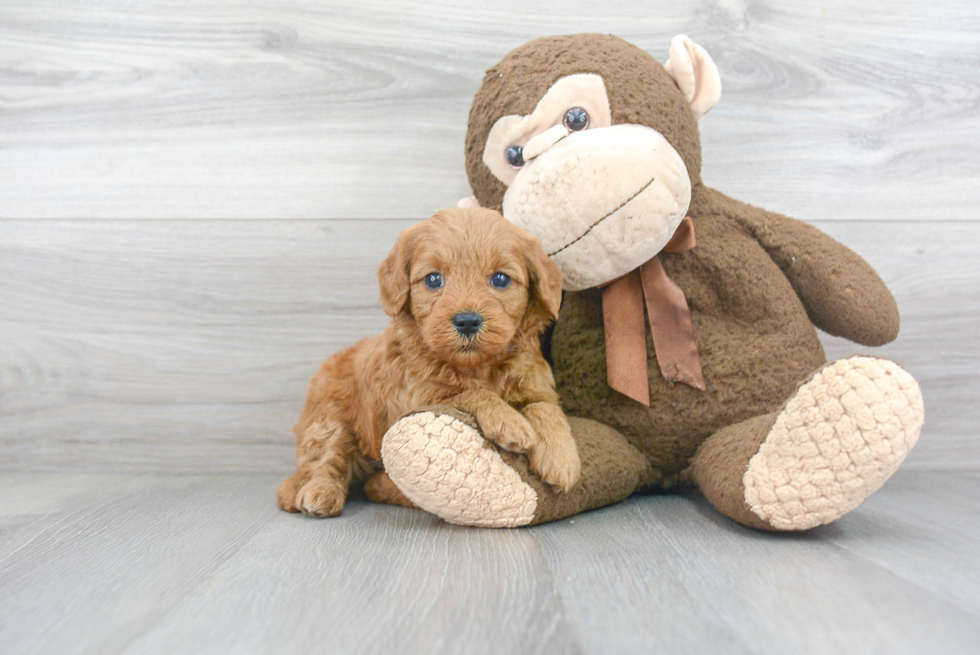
<point>433,281</point>
<point>500,280</point>
<point>515,156</point>
<point>576,119</point>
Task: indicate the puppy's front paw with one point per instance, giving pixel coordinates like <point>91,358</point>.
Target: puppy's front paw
<point>322,496</point>
<point>508,429</point>
<point>556,460</point>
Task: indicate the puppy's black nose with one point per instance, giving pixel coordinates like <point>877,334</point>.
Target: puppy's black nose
<point>467,323</point>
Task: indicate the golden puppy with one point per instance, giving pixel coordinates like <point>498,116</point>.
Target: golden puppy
<point>469,294</point>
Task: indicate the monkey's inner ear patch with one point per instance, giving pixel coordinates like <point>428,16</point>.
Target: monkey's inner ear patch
<point>584,93</point>
<point>695,73</point>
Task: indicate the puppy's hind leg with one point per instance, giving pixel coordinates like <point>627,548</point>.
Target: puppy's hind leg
<point>380,489</point>
<point>289,488</point>
<point>326,452</point>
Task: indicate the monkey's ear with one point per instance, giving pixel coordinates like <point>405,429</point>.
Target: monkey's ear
<point>695,73</point>
<point>393,274</point>
<point>544,285</point>
<point>468,203</point>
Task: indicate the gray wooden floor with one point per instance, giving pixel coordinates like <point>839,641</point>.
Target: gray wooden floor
<point>119,563</point>
<point>152,362</point>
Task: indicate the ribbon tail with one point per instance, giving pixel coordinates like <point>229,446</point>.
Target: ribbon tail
<point>626,339</point>
<point>671,326</point>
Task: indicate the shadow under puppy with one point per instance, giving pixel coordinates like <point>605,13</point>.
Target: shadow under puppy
<point>469,294</point>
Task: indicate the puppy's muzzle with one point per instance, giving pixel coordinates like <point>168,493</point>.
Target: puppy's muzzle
<point>467,323</point>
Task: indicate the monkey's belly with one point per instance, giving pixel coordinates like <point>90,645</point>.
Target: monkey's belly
<point>749,369</point>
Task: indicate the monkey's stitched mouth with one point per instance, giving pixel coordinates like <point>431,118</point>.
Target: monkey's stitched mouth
<point>593,226</point>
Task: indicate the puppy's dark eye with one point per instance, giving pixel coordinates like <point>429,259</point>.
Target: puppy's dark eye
<point>433,281</point>
<point>500,280</point>
<point>515,156</point>
<point>576,119</point>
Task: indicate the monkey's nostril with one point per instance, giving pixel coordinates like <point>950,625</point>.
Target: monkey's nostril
<point>467,323</point>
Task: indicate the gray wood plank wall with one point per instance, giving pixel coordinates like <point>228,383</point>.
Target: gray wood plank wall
<point>186,344</point>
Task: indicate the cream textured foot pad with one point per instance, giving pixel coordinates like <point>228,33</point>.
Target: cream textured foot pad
<point>445,466</point>
<point>835,443</point>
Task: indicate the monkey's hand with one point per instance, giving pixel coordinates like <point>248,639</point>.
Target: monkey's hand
<point>842,294</point>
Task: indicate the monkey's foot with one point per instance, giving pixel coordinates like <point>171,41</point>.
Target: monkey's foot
<point>443,464</point>
<point>439,459</point>
<point>836,442</point>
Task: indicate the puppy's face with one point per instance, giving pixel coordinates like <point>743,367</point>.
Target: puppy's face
<point>474,284</point>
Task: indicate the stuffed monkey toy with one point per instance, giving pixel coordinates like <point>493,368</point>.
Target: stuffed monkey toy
<point>685,351</point>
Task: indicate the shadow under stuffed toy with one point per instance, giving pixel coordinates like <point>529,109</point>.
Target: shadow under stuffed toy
<point>685,350</point>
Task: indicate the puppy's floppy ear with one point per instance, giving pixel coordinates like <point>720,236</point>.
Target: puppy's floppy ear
<point>544,287</point>
<point>393,274</point>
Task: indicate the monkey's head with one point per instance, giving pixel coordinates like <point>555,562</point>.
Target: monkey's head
<point>590,144</point>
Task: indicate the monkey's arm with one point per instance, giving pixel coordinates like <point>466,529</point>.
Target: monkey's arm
<point>842,294</point>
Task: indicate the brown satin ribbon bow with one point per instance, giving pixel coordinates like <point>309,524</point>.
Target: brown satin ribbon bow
<point>670,325</point>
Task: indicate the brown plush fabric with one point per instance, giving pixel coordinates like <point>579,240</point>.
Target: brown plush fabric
<point>841,293</point>
<point>756,283</point>
<point>612,470</point>
<point>755,339</point>
<point>720,464</point>
<point>752,318</point>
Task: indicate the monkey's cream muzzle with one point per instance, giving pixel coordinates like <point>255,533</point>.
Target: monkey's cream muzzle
<point>602,201</point>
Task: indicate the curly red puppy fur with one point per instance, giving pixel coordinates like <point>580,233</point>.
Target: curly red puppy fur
<point>469,294</point>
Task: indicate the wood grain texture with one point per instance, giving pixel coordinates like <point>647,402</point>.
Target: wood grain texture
<point>207,564</point>
<point>934,274</point>
<point>318,108</point>
<point>926,547</point>
<point>731,589</point>
<point>131,351</point>
<point>188,345</point>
